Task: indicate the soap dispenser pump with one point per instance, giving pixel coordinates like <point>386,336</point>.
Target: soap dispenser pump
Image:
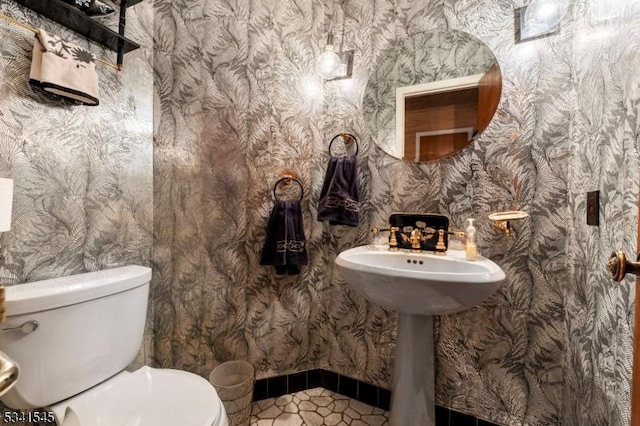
<point>471,248</point>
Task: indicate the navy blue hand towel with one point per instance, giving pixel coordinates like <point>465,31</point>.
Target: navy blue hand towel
<point>285,246</point>
<point>340,198</point>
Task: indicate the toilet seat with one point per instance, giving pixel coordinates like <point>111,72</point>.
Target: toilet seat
<point>146,397</point>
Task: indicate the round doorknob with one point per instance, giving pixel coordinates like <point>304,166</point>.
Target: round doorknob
<point>618,266</point>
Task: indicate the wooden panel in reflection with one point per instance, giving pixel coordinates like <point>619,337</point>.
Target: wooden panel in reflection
<point>434,147</point>
<point>489,91</point>
<point>440,124</point>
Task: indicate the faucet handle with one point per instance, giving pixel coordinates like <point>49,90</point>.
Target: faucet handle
<point>441,248</point>
<point>375,230</point>
<point>393,239</point>
<point>378,238</point>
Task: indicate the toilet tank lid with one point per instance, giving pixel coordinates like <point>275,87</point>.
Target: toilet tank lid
<point>64,291</point>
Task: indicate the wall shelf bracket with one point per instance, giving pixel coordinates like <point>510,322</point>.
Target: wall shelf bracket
<point>78,21</point>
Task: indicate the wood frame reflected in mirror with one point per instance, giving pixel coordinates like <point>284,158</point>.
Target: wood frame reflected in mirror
<point>438,119</point>
<point>431,94</point>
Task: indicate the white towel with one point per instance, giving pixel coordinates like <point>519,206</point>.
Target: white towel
<point>64,69</point>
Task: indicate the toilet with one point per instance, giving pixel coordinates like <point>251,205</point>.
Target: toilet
<point>73,337</point>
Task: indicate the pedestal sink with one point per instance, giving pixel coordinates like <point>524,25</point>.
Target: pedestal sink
<point>417,286</point>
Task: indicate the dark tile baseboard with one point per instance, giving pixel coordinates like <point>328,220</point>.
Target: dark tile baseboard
<point>274,387</point>
<point>376,396</point>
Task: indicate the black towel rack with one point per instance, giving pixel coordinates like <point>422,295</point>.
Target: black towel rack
<point>76,20</point>
<point>286,180</point>
<point>348,138</point>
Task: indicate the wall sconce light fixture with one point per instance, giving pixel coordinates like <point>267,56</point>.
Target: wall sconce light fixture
<point>332,65</point>
<point>329,61</point>
<point>541,18</point>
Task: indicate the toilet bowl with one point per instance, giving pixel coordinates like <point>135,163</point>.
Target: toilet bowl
<point>82,332</point>
<point>147,396</point>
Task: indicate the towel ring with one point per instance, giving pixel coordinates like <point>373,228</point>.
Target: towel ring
<point>348,138</point>
<point>287,180</point>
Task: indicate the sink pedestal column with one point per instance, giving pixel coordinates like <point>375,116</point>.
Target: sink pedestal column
<point>413,402</point>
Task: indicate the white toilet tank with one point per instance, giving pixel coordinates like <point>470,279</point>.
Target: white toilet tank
<point>90,327</point>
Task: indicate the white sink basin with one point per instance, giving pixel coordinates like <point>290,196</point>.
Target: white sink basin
<point>417,286</point>
<point>419,283</point>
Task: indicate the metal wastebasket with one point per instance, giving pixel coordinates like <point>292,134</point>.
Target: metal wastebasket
<point>234,381</point>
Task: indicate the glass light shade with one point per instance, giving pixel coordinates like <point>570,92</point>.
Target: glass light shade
<point>329,62</point>
<point>545,14</point>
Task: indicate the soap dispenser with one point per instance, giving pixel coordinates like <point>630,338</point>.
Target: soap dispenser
<point>471,248</point>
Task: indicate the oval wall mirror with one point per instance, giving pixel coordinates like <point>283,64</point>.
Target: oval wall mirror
<point>430,95</point>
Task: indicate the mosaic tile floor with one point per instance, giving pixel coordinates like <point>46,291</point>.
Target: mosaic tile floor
<point>316,407</point>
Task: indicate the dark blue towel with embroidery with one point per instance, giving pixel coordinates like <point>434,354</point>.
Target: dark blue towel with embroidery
<point>285,246</point>
<point>340,198</point>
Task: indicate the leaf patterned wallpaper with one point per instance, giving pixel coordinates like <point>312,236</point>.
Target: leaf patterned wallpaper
<point>240,99</point>
<point>237,98</point>
<point>83,176</point>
